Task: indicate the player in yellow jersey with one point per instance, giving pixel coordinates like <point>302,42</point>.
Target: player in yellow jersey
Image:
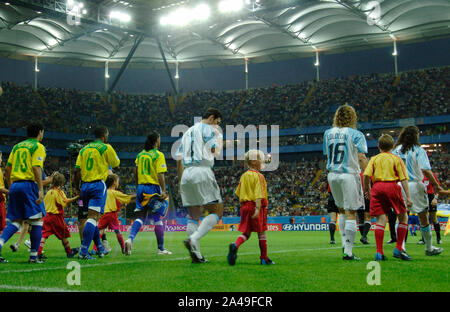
<point>110,219</point>
<point>92,168</point>
<point>26,194</point>
<point>151,192</point>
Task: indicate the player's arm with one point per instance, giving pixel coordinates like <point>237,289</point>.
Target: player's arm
<point>38,178</point>
<point>405,186</point>
<point>366,184</point>
<point>112,158</point>
<point>8,176</point>
<point>257,208</point>
<point>162,184</point>
<point>362,159</point>
<point>430,176</point>
<point>180,169</point>
<point>77,180</point>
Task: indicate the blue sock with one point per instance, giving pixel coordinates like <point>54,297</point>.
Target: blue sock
<point>159,232</point>
<point>97,241</point>
<point>35,238</point>
<point>88,235</point>
<point>135,229</point>
<point>9,231</point>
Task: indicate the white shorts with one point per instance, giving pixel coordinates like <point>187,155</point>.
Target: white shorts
<point>419,197</point>
<point>199,187</point>
<point>347,190</point>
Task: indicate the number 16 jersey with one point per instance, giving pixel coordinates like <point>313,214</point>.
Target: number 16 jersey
<point>341,146</point>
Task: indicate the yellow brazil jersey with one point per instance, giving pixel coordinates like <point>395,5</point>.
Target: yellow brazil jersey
<point>251,186</point>
<point>386,167</point>
<point>55,201</point>
<point>23,157</point>
<point>114,199</point>
<point>149,164</point>
<point>94,160</point>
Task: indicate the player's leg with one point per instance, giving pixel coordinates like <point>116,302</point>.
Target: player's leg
<point>379,236</point>
<point>332,226</point>
<point>420,206</point>
<point>7,233</point>
<point>82,218</point>
<point>119,237</point>
<point>23,231</point>
<point>335,183</point>
<point>392,218</point>
<point>402,231</point>
<point>360,219</point>
<point>215,214</point>
<point>425,229</point>
<point>70,252</point>
<point>436,225</point>
<point>140,213</point>
<point>103,223</point>
<point>193,219</point>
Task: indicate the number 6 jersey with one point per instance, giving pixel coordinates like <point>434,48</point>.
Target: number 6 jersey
<point>341,146</point>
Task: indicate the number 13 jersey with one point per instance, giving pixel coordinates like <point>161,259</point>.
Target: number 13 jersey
<point>341,146</point>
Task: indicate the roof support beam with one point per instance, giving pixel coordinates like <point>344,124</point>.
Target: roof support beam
<point>166,65</point>
<point>137,42</point>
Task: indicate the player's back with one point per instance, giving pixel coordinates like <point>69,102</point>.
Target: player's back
<point>415,159</point>
<point>149,164</point>
<point>196,145</point>
<point>23,157</point>
<point>341,146</point>
<point>94,160</point>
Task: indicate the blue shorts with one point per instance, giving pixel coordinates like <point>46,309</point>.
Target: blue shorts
<point>22,201</point>
<point>93,195</point>
<point>413,220</point>
<point>147,199</point>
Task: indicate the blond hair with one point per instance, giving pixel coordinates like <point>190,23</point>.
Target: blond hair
<point>253,155</point>
<point>345,116</point>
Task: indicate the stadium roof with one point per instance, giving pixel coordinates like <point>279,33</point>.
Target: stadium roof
<point>262,31</point>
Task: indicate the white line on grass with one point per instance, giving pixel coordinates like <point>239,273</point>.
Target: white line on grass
<point>163,260</point>
<point>33,288</point>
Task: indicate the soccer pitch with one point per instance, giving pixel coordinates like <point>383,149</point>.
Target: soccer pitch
<point>305,262</point>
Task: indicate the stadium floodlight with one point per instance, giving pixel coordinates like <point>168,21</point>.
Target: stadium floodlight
<point>202,11</point>
<point>121,16</point>
<point>184,16</point>
<point>226,6</point>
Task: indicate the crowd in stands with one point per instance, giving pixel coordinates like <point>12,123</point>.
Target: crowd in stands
<point>375,97</point>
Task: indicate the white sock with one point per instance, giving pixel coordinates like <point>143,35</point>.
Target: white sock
<point>427,237</point>
<point>341,224</point>
<point>350,233</point>
<point>207,224</point>
<point>192,226</point>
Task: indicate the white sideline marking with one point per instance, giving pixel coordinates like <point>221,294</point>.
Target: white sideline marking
<point>163,260</point>
<point>41,289</point>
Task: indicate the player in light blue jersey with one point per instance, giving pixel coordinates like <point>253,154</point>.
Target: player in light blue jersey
<point>198,186</point>
<point>417,164</point>
<point>345,148</point>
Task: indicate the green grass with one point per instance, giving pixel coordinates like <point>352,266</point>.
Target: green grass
<point>305,262</point>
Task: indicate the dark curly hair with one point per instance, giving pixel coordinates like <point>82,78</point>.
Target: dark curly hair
<point>408,137</point>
